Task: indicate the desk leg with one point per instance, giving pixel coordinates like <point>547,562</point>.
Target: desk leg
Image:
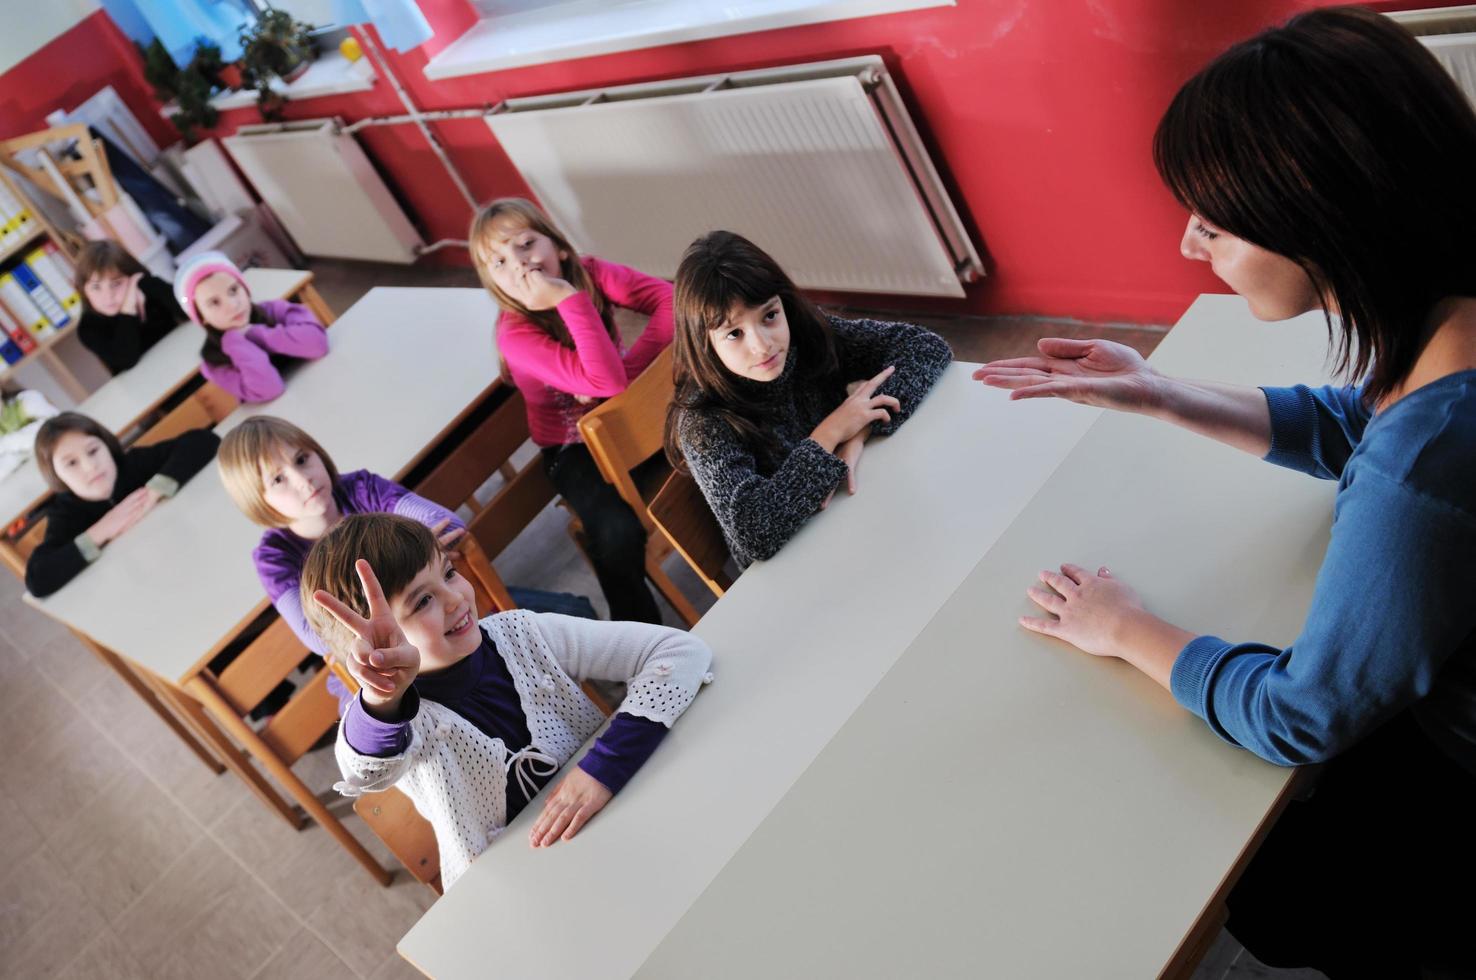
<point>201,688</point>
<point>140,687</point>
<point>310,297</point>
<point>64,376</point>
<point>234,758</point>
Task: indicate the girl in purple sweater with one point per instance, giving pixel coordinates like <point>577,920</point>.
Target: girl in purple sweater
<point>560,346</point>
<point>245,342</point>
<point>281,478</point>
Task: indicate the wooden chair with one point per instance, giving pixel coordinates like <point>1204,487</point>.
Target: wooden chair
<point>624,435</point>
<point>205,407</point>
<point>681,513</point>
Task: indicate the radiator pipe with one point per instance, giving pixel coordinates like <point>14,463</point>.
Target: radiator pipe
<point>433,116</point>
<point>443,243</point>
<point>418,118</point>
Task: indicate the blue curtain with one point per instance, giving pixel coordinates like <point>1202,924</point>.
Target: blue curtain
<point>400,23</point>
<point>180,24</point>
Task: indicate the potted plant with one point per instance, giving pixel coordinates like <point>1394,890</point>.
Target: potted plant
<point>276,47</point>
<point>189,88</point>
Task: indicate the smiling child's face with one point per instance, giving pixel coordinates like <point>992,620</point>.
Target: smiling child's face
<point>437,612</point>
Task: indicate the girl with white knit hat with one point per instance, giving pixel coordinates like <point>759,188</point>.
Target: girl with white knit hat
<point>246,343</point>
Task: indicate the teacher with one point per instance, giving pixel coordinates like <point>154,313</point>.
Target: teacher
<point>1328,164</point>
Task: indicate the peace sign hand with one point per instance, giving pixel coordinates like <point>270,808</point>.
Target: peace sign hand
<point>381,659</point>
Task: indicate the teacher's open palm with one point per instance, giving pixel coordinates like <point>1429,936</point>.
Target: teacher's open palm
<point>1090,372</point>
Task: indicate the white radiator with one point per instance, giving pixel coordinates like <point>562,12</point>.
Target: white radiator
<point>1450,34</point>
<point>325,191</point>
<point>818,164</point>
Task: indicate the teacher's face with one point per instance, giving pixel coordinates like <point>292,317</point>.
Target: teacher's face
<point>1274,286</point>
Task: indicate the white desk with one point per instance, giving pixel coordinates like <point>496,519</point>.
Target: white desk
<point>402,367</point>
<point>889,777</point>
<point>126,399</point>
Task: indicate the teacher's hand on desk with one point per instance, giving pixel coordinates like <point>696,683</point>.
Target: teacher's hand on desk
<point>1104,617</point>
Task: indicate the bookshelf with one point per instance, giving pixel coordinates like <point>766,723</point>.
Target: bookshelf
<point>40,232</point>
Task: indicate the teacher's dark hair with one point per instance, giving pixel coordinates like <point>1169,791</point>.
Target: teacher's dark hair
<point>1339,142</point>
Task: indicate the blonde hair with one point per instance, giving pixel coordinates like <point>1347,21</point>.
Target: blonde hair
<point>528,215</point>
<point>249,449</point>
<point>397,548</point>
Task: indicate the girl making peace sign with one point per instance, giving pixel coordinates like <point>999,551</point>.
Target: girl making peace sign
<point>472,718</point>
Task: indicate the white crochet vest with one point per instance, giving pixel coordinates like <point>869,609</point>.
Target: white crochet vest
<point>455,774</point>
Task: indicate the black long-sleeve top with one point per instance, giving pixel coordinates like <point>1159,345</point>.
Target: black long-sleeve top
<point>119,341</point>
<point>166,466</point>
<point>761,498</point>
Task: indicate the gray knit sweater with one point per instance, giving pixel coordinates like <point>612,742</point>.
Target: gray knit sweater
<point>762,498</point>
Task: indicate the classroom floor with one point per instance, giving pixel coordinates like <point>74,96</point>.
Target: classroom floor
<point>121,856</point>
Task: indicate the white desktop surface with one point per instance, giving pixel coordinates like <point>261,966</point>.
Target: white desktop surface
<point>402,366</point>
<point>846,647</point>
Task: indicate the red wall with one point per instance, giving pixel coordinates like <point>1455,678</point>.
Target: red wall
<point>69,69</point>
<point>1038,114</point>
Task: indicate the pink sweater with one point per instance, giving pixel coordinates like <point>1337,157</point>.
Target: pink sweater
<point>251,376</point>
<point>549,374</point>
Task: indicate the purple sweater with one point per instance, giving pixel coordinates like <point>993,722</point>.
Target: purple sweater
<point>481,690</point>
<point>281,554</point>
<point>251,376</point>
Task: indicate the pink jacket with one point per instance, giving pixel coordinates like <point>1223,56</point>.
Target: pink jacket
<point>549,374</point>
<point>250,376</point>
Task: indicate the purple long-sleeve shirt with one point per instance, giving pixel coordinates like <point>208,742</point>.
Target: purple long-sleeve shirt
<point>280,555</point>
<point>481,690</point>
<point>251,376</point>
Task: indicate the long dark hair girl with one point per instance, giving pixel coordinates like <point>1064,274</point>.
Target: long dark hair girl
<point>719,272</point>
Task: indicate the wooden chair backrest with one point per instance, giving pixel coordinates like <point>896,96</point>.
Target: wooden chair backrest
<point>681,512</point>
<point>625,431</point>
<point>203,409</point>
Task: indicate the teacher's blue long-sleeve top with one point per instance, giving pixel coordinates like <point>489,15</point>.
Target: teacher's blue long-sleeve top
<point>1393,618</point>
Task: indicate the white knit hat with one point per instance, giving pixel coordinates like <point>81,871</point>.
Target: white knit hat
<point>194,271</point>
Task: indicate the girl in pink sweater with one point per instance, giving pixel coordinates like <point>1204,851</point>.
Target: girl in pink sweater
<point>245,342</point>
<point>560,346</point>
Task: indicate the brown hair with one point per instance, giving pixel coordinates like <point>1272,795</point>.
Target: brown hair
<point>57,426</point>
<point>528,215</point>
<point>1339,142</point>
<point>397,548</point>
<point>96,258</point>
<point>252,446</point>
<point>718,271</point>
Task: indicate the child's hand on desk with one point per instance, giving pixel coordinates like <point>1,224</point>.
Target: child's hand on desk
<point>578,797</point>
<point>856,414</point>
<point>446,538</point>
<point>126,513</point>
<point>381,659</point>
<point>543,292</point>
<point>850,451</point>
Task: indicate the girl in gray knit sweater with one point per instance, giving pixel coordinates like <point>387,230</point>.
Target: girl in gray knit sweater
<point>762,417</point>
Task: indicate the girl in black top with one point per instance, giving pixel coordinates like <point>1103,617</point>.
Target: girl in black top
<point>125,311</point>
<point>101,491</point>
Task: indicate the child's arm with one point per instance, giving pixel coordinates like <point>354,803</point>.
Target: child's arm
<point>116,341</point>
<point>593,368</point>
<point>389,497</point>
<point>294,331</point>
<point>637,291</point>
<point>758,513</point>
<point>172,462</point>
<point>663,670</point>
<point>865,347</point>
<point>250,376</point>
<point>64,551</point>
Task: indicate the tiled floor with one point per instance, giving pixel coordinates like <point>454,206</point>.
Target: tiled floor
<point>122,856</point>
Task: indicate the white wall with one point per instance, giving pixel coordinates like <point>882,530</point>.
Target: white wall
<point>29,25</point>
